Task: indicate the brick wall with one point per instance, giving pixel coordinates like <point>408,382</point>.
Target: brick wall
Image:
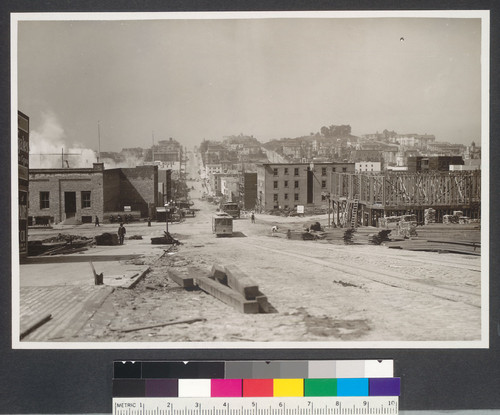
<point>58,182</point>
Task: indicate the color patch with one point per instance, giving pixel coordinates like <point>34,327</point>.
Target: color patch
<point>238,370</point>
<point>162,388</point>
<point>320,387</point>
<point>129,388</point>
<point>288,387</point>
<point>294,369</point>
<point>194,388</point>
<point>258,388</point>
<point>265,370</point>
<point>181,370</point>
<point>379,369</point>
<point>222,388</point>
<point>127,370</point>
<point>322,369</point>
<point>352,387</point>
<point>385,387</point>
<point>350,369</point>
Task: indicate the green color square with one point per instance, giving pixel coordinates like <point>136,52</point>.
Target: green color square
<point>320,387</point>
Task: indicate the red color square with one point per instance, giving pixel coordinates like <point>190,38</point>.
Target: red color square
<point>258,387</point>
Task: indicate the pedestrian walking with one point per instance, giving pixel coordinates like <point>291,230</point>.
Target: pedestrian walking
<point>252,218</point>
<point>97,221</point>
<point>121,233</point>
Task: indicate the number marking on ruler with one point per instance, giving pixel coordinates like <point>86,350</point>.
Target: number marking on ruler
<point>337,405</point>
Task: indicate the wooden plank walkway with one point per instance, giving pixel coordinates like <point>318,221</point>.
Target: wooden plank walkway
<point>70,307</point>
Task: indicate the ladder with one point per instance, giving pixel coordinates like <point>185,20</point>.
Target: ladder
<point>354,213</point>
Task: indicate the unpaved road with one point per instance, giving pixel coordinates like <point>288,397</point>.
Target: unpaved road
<point>321,292</point>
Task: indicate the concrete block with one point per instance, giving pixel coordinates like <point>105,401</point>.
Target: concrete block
<point>185,281</point>
<point>218,273</point>
<point>227,295</point>
<point>241,282</point>
<point>263,303</point>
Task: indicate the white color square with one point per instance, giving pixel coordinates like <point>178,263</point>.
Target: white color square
<point>379,368</point>
<point>194,388</point>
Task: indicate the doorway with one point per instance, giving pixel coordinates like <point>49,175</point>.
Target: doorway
<point>70,204</point>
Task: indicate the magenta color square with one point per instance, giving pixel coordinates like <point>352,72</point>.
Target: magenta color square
<point>226,388</point>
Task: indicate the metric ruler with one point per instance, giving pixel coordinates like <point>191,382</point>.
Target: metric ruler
<point>336,405</point>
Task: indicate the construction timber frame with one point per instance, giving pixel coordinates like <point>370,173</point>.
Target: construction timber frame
<point>362,198</point>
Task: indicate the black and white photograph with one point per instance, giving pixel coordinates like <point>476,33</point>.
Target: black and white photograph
<point>250,180</point>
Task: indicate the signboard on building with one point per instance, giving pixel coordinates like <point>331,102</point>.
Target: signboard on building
<point>300,209</point>
<point>127,208</point>
<point>23,149</point>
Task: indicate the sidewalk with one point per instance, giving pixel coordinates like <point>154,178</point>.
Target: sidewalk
<point>58,295</point>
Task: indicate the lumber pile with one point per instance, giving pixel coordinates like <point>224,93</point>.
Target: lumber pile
<point>429,216</point>
<point>59,245</point>
<point>454,238</point>
<point>233,287</point>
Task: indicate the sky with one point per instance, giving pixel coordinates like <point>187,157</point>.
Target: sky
<point>195,79</point>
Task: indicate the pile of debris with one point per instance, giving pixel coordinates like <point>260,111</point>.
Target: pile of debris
<point>59,245</point>
<point>166,239</point>
<point>228,284</point>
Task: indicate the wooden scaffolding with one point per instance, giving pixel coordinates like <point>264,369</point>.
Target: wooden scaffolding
<point>362,198</point>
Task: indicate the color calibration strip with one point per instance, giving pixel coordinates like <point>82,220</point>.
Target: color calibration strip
<point>216,379</point>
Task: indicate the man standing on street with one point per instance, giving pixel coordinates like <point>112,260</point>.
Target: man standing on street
<point>121,233</point>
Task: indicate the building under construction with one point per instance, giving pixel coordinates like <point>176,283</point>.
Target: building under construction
<point>363,198</point>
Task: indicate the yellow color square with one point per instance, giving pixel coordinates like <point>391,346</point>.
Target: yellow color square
<point>288,387</point>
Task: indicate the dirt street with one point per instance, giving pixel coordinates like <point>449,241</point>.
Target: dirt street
<point>322,292</point>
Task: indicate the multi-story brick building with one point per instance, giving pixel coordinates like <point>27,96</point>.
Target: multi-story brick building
<point>79,195</point>
<point>286,186</point>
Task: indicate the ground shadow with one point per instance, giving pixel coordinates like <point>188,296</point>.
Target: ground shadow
<point>239,235</point>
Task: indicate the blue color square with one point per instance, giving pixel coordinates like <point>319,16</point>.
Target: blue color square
<point>352,387</point>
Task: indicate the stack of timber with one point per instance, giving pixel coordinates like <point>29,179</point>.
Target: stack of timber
<point>437,237</point>
<point>59,245</point>
<point>228,284</point>
<point>429,216</point>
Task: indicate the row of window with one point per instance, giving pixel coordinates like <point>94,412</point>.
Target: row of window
<point>295,196</point>
<point>295,184</point>
<point>296,170</point>
<point>45,200</point>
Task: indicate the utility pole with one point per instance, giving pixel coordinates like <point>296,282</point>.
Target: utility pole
<point>99,141</point>
<point>153,148</point>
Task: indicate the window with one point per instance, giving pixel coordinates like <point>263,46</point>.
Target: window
<point>286,206</point>
<point>275,197</point>
<point>286,170</point>
<point>333,169</point>
<point>286,196</point>
<point>323,171</point>
<point>286,183</point>
<point>296,184</point>
<point>44,200</point>
<point>275,184</point>
<point>296,171</point>
<point>344,169</point>
<point>323,183</point>
<point>275,171</point>
<point>85,200</point>
<point>323,197</point>
<point>296,196</point>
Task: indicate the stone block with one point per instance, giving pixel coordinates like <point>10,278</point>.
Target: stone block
<point>241,282</point>
<point>227,295</point>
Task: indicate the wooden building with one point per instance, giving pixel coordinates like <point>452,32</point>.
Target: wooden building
<point>364,197</point>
